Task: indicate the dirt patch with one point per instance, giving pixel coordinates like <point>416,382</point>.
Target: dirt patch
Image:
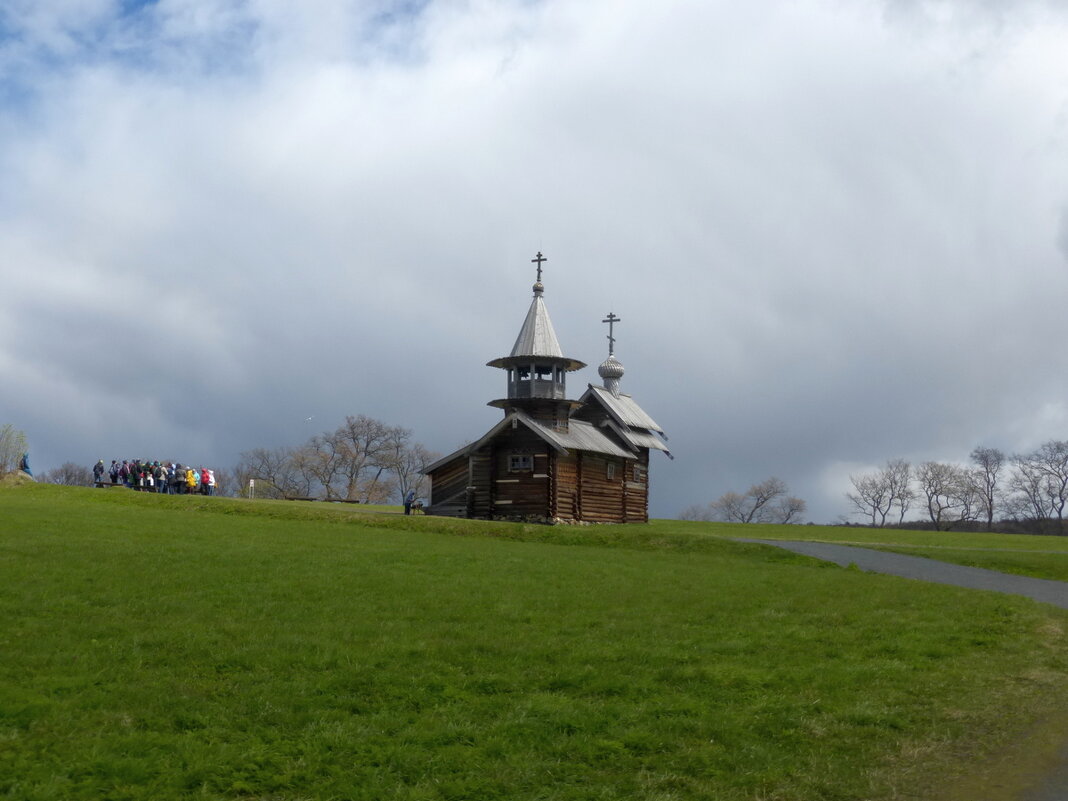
<point>1033,767</point>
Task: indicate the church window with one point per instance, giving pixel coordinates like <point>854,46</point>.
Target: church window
<point>610,471</point>
<point>639,472</point>
<point>520,462</point>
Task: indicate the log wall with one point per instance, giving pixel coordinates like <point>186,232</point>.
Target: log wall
<point>520,493</point>
<point>565,487</point>
<point>637,490</point>
<point>448,486</point>
<point>572,486</point>
<point>601,498</point>
<point>481,474</point>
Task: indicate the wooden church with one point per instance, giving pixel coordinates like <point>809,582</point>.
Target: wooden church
<point>552,459</point>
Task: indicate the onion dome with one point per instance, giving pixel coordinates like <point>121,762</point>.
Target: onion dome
<point>610,372</point>
<point>610,369</point>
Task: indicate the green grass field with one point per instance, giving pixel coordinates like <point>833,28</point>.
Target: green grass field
<point>170,647</point>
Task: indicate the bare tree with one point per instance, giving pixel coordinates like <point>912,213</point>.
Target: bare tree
<point>1040,482</point>
<point>871,497</point>
<point>1027,485</point>
<point>324,458</point>
<point>1052,459</point>
<point>759,496</point>
<point>945,488</point>
<point>364,442</point>
<point>898,477</point>
<point>363,459</point>
<point>407,462</point>
<point>383,480</point>
<point>274,471</point>
<point>302,462</point>
<point>12,446</point>
<point>697,512</point>
<point>989,464</point>
<point>69,474</point>
<point>729,507</point>
<point>788,510</point>
<point>765,502</point>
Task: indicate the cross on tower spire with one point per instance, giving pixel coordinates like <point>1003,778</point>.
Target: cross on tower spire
<point>611,319</point>
<point>539,259</point>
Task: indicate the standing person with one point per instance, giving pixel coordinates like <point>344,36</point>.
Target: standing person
<point>124,473</point>
<point>190,481</point>
<point>211,482</point>
<point>98,473</point>
<point>24,465</point>
<point>203,481</point>
<point>179,479</point>
<point>409,499</point>
<point>114,472</point>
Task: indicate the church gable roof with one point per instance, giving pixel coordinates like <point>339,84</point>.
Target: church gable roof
<point>623,409</point>
<point>627,419</point>
<point>580,436</point>
<point>638,438</point>
<point>583,436</point>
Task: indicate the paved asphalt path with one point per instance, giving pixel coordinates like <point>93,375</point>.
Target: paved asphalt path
<point>918,567</point>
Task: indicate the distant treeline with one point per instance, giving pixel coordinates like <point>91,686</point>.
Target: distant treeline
<point>1021,493</point>
<point>362,460</point>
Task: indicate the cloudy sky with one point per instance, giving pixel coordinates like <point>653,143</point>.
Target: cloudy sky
<point>836,232</point>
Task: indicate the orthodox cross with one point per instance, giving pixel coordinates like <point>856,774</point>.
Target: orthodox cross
<point>539,259</point>
<point>611,319</point>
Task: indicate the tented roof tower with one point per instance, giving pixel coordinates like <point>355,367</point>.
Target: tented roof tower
<point>537,366</point>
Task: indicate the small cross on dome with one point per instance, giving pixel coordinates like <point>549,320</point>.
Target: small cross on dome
<point>539,259</point>
<point>611,319</point>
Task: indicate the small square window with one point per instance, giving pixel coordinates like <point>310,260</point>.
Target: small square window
<point>519,462</point>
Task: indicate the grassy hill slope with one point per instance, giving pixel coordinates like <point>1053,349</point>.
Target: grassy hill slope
<point>159,647</point>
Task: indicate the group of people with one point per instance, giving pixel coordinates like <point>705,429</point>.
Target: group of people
<point>173,479</point>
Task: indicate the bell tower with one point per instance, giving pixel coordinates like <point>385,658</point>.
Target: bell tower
<point>537,367</point>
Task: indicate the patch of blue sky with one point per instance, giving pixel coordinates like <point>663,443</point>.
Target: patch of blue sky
<point>136,39</point>
<point>127,7</point>
<point>10,30</point>
<point>399,13</point>
<point>132,39</point>
<point>16,99</point>
<point>392,33</point>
